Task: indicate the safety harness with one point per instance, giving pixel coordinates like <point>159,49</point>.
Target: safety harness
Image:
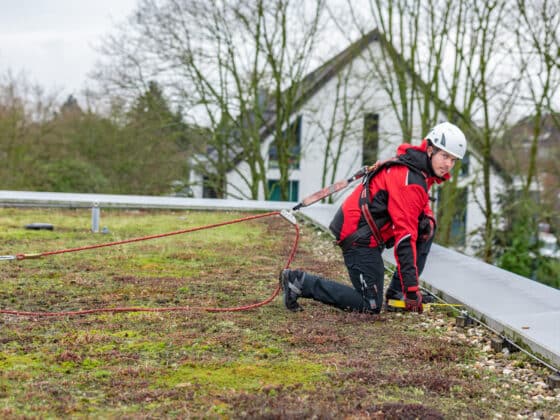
<point>371,228</point>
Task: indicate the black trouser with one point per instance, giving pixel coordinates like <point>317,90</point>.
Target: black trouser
<point>422,251</point>
<point>366,270</point>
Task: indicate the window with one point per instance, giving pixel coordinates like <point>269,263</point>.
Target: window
<point>370,144</point>
<point>273,156</point>
<point>465,165</point>
<point>292,135</point>
<point>208,190</point>
<point>458,203</point>
<point>274,190</point>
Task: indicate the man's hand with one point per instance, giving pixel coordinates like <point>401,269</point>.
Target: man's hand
<point>426,228</point>
<point>413,302</point>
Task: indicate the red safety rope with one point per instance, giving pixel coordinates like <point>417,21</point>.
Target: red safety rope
<point>170,309</point>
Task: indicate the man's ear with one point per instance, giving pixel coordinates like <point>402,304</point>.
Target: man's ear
<point>430,151</point>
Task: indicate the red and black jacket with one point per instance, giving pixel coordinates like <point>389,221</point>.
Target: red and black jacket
<point>398,199</point>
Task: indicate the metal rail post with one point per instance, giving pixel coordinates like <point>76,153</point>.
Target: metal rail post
<point>95,215</point>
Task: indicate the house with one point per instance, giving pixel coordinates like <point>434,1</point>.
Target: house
<point>334,140</point>
<point>515,149</point>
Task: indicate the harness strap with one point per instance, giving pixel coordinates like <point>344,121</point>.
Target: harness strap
<point>364,199</point>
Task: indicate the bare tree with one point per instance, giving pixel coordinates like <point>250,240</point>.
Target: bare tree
<point>419,70</point>
<point>442,57</point>
<point>492,96</point>
<point>538,42</point>
<point>347,110</point>
<point>236,65</point>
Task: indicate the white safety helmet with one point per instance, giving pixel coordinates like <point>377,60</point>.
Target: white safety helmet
<point>450,138</point>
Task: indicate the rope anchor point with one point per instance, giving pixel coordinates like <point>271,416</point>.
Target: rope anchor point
<point>289,216</point>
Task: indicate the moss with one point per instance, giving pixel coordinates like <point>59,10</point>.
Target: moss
<point>246,375</point>
<point>91,364</point>
<point>22,362</point>
<point>150,347</point>
<point>64,367</point>
<point>126,333</point>
<point>101,373</point>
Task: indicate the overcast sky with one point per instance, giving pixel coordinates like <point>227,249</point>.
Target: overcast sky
<point>52,41</point>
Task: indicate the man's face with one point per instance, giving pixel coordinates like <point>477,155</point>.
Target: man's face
<point>442,162</point>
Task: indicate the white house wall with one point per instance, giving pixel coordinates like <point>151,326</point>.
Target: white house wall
<point>236,186</point>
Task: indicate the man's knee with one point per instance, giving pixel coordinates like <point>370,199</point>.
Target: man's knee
<point>376,309</point>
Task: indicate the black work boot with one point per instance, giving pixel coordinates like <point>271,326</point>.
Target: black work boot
<point>291,281</point>
<point>392,294</point>
<point>397,295</point>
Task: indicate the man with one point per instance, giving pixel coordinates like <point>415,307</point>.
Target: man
<point>391,207</point>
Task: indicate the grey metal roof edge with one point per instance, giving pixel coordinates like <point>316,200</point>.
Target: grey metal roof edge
<point>85,200</point>
<point>489,307</point>
<point>502,327</point>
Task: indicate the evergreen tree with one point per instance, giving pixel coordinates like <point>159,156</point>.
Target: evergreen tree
<point>153,145</point>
